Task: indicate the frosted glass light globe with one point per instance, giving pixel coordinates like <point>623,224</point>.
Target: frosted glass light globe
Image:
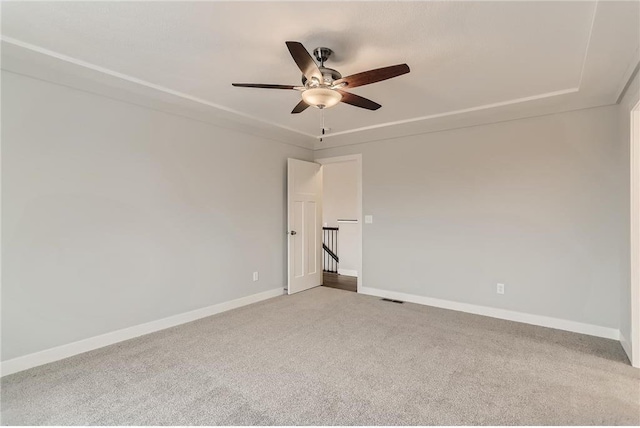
<point>321,97</point>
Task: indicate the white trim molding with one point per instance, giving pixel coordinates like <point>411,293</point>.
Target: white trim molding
<point>626,345</point>
<point>633,350</point>
<point>449,113</point>
<point>33,61</point>
<point>539,320</point>
<point>142,82</point>
<point>68,350</point>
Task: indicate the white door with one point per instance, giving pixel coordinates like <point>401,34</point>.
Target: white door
<point>304,190</point>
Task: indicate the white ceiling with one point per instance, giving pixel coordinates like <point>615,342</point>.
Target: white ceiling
<point>465,57</point>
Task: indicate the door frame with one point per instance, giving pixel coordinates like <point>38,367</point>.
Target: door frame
<point>357,158</point>
<point>635,234</point>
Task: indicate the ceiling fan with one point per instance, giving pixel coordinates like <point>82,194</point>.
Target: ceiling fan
<point>322,87</point>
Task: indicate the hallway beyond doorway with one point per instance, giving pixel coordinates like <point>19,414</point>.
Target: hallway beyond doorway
<point>342,282</point>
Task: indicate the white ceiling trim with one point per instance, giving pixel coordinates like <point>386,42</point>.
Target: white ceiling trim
<point>208,103</point>
<point>631,67</point>
<point>484,106</point>
<point>138,81</point>
<point>586,50</point>
<point>592,82</point>
<point>453,113</point>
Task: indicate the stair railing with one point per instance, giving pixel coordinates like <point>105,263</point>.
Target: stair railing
<point>330,258</point>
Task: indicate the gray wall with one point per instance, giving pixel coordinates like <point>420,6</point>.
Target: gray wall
<point>624,108</point>
<point>538,204</point>
<point>116,215</point>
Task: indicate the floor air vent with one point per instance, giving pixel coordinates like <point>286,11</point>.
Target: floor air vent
<point>392,301</point>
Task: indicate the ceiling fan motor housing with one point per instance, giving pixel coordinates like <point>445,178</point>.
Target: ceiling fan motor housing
<point>329,75</point>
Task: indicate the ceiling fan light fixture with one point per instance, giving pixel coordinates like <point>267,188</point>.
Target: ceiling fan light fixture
<point>321,97</point>
<point>322,86</point>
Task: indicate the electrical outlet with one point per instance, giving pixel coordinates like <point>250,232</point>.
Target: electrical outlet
<point>500,288</point>
<point>255,276</point>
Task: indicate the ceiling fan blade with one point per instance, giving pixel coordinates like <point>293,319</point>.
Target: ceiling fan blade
<point>300,107</point>
<point>265,86</point>
<point>358,101</point>
<point>304,60</point>
<point>373,76</point>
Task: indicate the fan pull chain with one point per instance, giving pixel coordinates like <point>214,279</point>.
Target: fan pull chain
<point>322,124</point>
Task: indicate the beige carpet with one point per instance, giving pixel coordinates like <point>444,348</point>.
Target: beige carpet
<point>328,356</point>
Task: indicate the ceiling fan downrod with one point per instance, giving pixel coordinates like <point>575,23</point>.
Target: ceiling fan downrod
<point>322,54</point>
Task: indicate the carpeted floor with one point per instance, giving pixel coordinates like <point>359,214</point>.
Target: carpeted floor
<point>328,357</point>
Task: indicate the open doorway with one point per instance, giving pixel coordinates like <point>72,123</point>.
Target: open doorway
<point>342,222</point>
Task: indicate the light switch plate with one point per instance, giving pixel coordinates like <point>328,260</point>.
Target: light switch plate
<point>368,219</point>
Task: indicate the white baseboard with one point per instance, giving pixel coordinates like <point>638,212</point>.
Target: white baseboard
<point>65,351</point>
<point>543,321</point>
<point>626,345</point>
<point>348,272</point>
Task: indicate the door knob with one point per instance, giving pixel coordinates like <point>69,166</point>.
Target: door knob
<point>293,232</point>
